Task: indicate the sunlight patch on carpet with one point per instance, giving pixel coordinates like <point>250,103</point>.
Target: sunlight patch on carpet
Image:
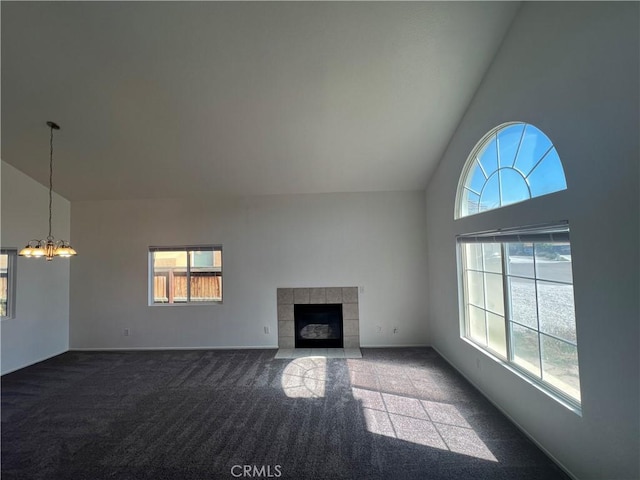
<point>305,377</point>
<point>432,424</point>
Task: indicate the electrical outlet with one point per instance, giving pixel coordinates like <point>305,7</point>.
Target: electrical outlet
<point>267,330</point>
<point>126,332</point>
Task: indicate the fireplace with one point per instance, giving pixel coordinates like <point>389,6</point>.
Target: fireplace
<point>344,299</point>
<point>318,325</point>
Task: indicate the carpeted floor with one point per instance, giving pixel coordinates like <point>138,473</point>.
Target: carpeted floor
<point>202,415</point>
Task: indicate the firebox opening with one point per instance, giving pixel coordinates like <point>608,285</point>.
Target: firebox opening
<point>318,325</point>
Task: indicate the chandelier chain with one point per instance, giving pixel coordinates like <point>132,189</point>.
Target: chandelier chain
<point>50,180</point>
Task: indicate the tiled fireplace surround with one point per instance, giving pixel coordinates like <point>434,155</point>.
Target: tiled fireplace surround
<point>347,296</point>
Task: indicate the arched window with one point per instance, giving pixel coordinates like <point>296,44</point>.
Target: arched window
<point>516,283</point>
<point>512,163</point>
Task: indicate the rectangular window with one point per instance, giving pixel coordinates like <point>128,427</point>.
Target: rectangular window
<point>7,282</point>
<point>517,290</point>
<point>181,275</point>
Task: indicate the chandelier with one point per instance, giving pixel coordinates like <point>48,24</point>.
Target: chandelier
<point>49,247</point>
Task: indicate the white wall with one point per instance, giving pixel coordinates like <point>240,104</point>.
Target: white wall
<point>373,240</point>
<point>572,70</point>
<point>40,328</point>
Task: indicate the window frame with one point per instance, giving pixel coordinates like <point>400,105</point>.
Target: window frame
<point>189,250</point>
<point>554,233</point>
<point>12,262</point>
<point>474,161</point>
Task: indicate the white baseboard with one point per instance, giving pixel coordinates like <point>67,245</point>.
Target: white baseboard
<point>518,426</point>
<point>232,347</point>
<point>136,349</point>
<point>34,362</point>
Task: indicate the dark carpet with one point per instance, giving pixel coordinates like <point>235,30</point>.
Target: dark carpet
<point>394,414</point>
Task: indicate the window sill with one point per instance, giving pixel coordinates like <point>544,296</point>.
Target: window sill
<point>570,405</point>
<point>184,304</point>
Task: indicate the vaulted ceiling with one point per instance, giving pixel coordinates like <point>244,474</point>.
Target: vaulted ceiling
<point>185,99</point>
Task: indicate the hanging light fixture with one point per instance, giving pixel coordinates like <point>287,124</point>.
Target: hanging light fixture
<point>49,247</point>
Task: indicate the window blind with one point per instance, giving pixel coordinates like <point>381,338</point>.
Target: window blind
<point>557,233</point>
<point>187,248</point>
